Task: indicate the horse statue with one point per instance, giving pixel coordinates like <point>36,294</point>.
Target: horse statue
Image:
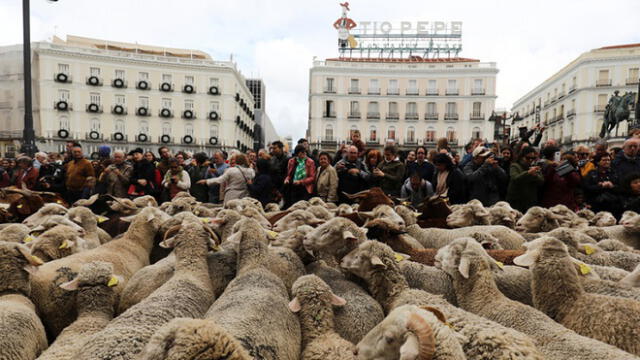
<point>617,110</point>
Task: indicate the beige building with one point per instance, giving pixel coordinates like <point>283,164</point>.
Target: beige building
<point>125,95</point>
<point>571,103</point>
<point>411,101</point>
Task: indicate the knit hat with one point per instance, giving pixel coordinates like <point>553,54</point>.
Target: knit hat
<point>136,150</point>
<point>104,151</point>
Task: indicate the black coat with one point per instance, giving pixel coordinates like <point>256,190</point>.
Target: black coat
<point>143,169</point>
<point>426,170</point>
<point>622,166</point>
<point>601,199</point>
<point>456,183</point>
<point>262,189</point>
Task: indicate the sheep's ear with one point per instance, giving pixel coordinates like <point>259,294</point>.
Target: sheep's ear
<point>71,285</point>
<point>376,262</point>
<point>128,218</point>
<point>527,259</point>
<point>337,300</point>
<point>348,235</point>
<point>66,244</point>
<point>294,305</point>
<point>150,217</point>
<point>463,267</point>
<point>26,253</point>
<point>366,214</point>
<point>411,348</point>
<point>77,219</point>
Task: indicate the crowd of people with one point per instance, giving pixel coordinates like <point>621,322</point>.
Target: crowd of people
<point>524,173</point>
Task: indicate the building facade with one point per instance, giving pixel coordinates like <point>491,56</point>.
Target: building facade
<point>127,96</point>
<point>410,101</point>
<point>571,103</point>
<point>264,130</point>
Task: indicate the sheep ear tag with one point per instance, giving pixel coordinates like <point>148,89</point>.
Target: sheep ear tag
<point>27,239</point>
<point>588,249</point>
<point>294,305</point>
<point>205,220</point>
<point>101,218</point>
<point>584,269</point>
<point>400,257</point>
<point>272,234</point>
<point>65,244</point>
<point>500,264</point>
<point>113,281</point>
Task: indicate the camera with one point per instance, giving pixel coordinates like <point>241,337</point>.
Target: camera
<point>540,163</point>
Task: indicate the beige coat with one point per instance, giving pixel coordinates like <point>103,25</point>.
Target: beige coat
<point>327,184</point>
<point>234,181</point>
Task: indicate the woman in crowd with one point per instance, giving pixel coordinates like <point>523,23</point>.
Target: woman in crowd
<point>560,184</point>
<point>235,179</point>
<point>448,180</point>
<point>301,174</point>
<point>372,159</point>
<point>261,188</point>
<point>175,180</point>
<point>390,172</point>
<point>151,157</point>
<point>631,192</point>
<point>326,179</point>
<point>143,175</point>
<point>525,180</point>
<point>27,175</point>
<point>599,186</point>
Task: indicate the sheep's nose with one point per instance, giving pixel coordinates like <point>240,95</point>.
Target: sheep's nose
<point>355,351</point>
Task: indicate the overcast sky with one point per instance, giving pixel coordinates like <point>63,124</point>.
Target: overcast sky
<point>277,40</point>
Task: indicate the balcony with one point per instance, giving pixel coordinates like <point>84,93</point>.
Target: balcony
<point>93,136</point>
<point>476,116</point>
<point>93,81</point>
<point>453,142</point>
<point>571,112</point>
<point>354,115</point>
<point>561,95</point>
<point>166,139</point>
<point>165,113</point>
<point>411,117</point>
<point>189,89</point>
<point>432,92</point>
<point>119,83</point>
<point>572,89</point>
<point>373,142</point>
<point>412,92</point>
<point>143,111</point>
<point>354,91</point>
<point>118,110</point>
<point>429,141</point>
<point>373,92</point>
<point>63,78</point>
<point>373,115</point>
<point>142,137</point>
<point>410,141</point>
<point>632,81</point>
<point>329,90</point>
<point>393,91</point>
<point>143,85</point>
<point>603,83</point>
<point>393,116</point>
<point>166,87</point>
<point>62,105</point>
<point>118,136</point>
<point>188,114</point>
<point>329,114</point>
<point>452,92</point>
<point>431,116</point>
<point>329,140</point>
<point>478,91</point>
<point>451,117</point>
<point>599,108</point>
<point>93,108</point>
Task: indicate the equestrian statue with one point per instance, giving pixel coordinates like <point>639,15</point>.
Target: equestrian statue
<point>616,111</point>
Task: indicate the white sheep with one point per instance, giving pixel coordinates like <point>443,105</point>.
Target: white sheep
<point>437,238</point>
<point>627,232</point>
<point>469,215</point>
<point>603,218</point>
<point>57,243</point>
<point>296,218</point>
<point>87,220</point>
<point>334,239</point>
<point>42,213</point>
<point>17,233</point>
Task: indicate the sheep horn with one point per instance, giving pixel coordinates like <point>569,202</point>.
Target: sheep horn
<point>171,231</point>
<point>213,234</point>
<point>426,339</point>
<point>124,204</point>
<point>356,195</point>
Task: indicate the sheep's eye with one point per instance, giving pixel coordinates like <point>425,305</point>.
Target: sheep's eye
<point>389,340</point>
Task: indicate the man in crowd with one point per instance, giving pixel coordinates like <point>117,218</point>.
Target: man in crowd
<point>352,177</point>
<point>627,161</point>
<point>421,166</point>
<point>390,172</point>
<point>469,148</point>
<point>484,176</point>
<point>356,139</point>
<point>198,172</point>
<point>163,164</point>
<point>27,175</point>
<point>278,164</point>
<point>115,177</point>
<point>416,190</point>
<point>77,171</point>
<point>216,169</point>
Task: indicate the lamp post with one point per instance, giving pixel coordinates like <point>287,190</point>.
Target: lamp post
<point>28,136</point>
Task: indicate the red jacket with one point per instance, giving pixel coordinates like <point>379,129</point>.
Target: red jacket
<point>560,189</point>
<point>310,167</point>
<point>30,178</point>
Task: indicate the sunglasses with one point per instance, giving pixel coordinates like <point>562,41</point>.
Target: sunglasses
<point>583,154</point>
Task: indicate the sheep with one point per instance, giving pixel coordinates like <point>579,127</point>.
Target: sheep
<point>407,214</point>
<point>633,279</point>
<point>55,220</point>
<point>293,239</point>
<point>128,254</point>
<point>626,216</point>
<point>586,214</point>
<point>253,213</point>
<point>603,218</point>
<point>334,239</point>
<point>429,279</point>
<point>568,218</point>
<point>613,245</point>
<point>95,302</point>
<point>177,205</point>
<point>17,233</point>
<point>360,314</point>
<point>57,243</point>
<point>224,222</point>
<point>343,209</point>
<point>538,219</point>
<point>254,306</point>
<point>187,294</point>
<point>501,215</point>
<point>376,264</point>
<point>558,293</point>
<point>313,300</point>
<point>412,332</point>
<point>204,211</point>
<point>469,215</point>
<point>23,336</point>
<point>383,212</point>
<point>84,217</point>
<point>125,207</point>
<point>471,271</point>
<point>295,219</point>
<point>437,238</point>
<point>42,213</point>
<point>317,201</point>
<point>320,212</point>
<point>271,208</point>
<point>144,201</point>
<point>300,205</point>
<point>370,199</point>
<point>627,232</point>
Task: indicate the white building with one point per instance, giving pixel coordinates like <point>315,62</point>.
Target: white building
<point>571,103</point>
<point>125,95</point>
<point>412,101</point>
<point>264,131</point>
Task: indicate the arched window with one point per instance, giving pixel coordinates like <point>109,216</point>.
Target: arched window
<point>144,127</point>
<point>373,134</point>
<point>64,123</point>
<point>95,125</point>
<point>430,134</point>
<point>188,129</point>
<point>391,133</point>
<point>476,133</point>
<point>411,134</point>
<point>328,132</point>
<point>451,134</point>
<point>120,126</point>
<point>166,128</point>
<point>213,131</point>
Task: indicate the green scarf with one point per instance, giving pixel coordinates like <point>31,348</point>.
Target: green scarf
<point>301,170</point>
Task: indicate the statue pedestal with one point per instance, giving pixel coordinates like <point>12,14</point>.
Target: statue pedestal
<point>616,141</point>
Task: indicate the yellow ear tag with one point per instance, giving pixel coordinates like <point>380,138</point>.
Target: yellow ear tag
<point>272,234</point>
<point>500,265</point>
<point>584,269</point>
<point>64,245</point>
<point>588,250</point>
<point>205,220</point>
<point>27,239</point>
<point>449,324</point>
<point>101,219</point>
<point>37,259</point>
<point>216,247</point>
<point>59,201</point>
<point>112,282</point>
<point>19,206</point>
<point>398,257</point>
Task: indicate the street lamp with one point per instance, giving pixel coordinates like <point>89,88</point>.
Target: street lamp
<point>28,136</point>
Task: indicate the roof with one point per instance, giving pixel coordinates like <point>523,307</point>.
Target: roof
<point>619,46</point>
<point>412,59</point>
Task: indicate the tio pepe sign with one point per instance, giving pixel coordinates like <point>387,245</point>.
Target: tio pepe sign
<point>409,27</point>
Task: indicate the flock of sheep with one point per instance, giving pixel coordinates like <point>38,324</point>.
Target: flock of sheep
<point>186,280</point>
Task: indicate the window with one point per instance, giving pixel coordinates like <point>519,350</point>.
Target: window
<point>430,134</point>
<point>166,128</point>
<point>143,101</point>
<point>64,123</point>
<point>562,89</point>
<point>166,103</point>
<point>452,108</point>
<point>477,84</point>
<point>94,71</point>
<point>412,108</point>
<point>215,106</point>
<point>431,108</point>
<point>120,126</point>
<point>393,85</point>
<point>144,127</point>
<point>411,134</point>
<point>63,68</point>
<point>94,98</point>
<point>329,108</point>
<point>166,78</point>
<point>393,107</point>
<point>188,80</point>
<point>603,75</point>
<point>214,82</point>
<point>143,75</point>
<point>63,95</point>
<point>477,109</point>
<point>119,74</point>
<point>120,99</point>
<point>328,132</point>
<point>188,104</point>
<point>373,134</point>
<point>452,85</point>
<point>329,85</point>
<point>633,75</point>
<point>391,133</point>
<point>213,131</point>
<point>355,85</point>
<point>188,129</point>
<point>373,86</point>
<point>95,125</point>
<point>413,85</point>
<point>373,107</point>
<point>451,134</point>
<point>573,105</point>
<point>432,86</point>
<point>475,133</point>
<point>354,107</point>
<point>602,100</point>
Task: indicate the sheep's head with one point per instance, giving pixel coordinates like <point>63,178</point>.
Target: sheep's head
<point>407,214</point>
<point>16,263</point>
<point>190,229</point>
<point>502,216</point>
<point>586,214</point>
<point>300,205</point>
<point>541,248</point>
<point>317,201</point>
<point>460,256</point>
<point>368,258</point>
<point>256,215</point>
<point>122,206</point>
<point>96,273</point>
<point>178,205</point>
<point>192,339</point>
<point>310,289</point>
<point>383,212</point>
<point>406,333</point>
<point>487,241</point>
<point>144,201</point>
<point>537,219</point>
<point>337,233</point>
<point>293,238</point>
<point>83,216</point>
<point>343,209</point>
<point>295,219</point>
<point>56,243</point>
<point>15,233</point>
<point>469,215</point>
<point>320,212</point>
<point>150,216</point>
<point>627,215</point>
<point>632,224</point>
<point>55,220</point>
<point>272,207</point>
<point>44,211</point>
